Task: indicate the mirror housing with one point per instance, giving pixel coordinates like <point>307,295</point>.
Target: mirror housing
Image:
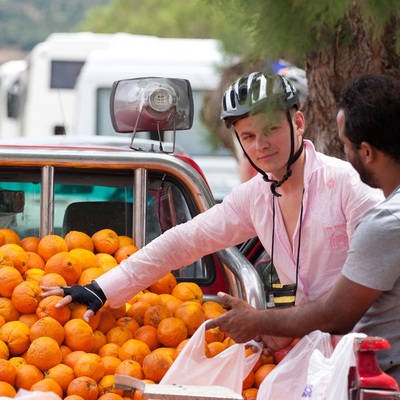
<point>151,104</point>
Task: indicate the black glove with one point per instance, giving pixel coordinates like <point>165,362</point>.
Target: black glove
<point>91,295</point>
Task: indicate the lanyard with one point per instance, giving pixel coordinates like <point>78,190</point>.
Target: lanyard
<point>298,244</point>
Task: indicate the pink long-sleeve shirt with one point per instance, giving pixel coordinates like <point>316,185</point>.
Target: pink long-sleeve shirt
<point>334,200</point>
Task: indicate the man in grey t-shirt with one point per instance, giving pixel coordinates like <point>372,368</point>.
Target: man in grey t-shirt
<point>366,296</point>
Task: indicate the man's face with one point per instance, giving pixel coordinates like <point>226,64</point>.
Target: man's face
<point>266,139</point>
<point>353,153</point>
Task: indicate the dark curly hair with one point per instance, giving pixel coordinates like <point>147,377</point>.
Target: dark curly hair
<point>371,105</point>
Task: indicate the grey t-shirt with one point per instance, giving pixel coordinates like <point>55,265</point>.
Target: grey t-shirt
<point>374,261</point>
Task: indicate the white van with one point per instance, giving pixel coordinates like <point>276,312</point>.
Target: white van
<point>197,60</point>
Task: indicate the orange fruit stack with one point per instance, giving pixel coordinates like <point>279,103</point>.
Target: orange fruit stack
<point>53,349</point>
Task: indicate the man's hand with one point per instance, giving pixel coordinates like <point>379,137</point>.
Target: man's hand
<point>91,295</point>
<point>274,343</point>
<point>240,322</point>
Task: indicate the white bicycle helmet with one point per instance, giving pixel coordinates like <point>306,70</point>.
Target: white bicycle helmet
<point>254,93</point>
<point>297,77</point>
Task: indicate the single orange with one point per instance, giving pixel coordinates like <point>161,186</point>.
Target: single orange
<point>34,274</point>
<point>106,385</point>
<point>125,240</point>
<point>10,236</point>
<point>250,394</point>
<point>16,336</point>
<point>148,335</point>
<point>216,348</point>
<point>34,261</point>
<point>188,291</point>
<point>8,310</point>
<point>90,274</point>
<point>119,335</point>
<point>27,375</point>
<point>124,252</point>
<point>214,335</point>
<point>107,320</point>
<point>44,352</point>
<point>7,390</point>
<point>17,361</point>
<point>248,381</point>
<point>137,311</point>
<point>4,352</point>
<point>5,259</point>
<point>78,310</point>
<point>262,373</point>
<point>105,241</point>
<point>112,396</point>
<point>17,255</point>
<point>47,326</point>
<point>135,350</point>
<point>52,279</point>
<point>62,374</point>
<point>171,331</point>
<point>99,340</point>
<point>86,258</point>
<point>74,397</point>
<point>130,368</point>
<point>164,285</point>
<point>90,365</point>
<point>47,385</point>
<point>26,296</point>
<point>65,264</point>
<point>79,240</point>
<point>155,314</point>
<point>8,371</point>
<point>78,335</point>
<point>47,308</point>
<point>128,322</point>
<point>106,261</point>
<point>192,314</point>
<point>110,363</point>
<point>10,277</point>
<point>109,349</point>
<point>30,243</point>
<point>83,386</point>
<point>156,365</point>
<point>50,245</point>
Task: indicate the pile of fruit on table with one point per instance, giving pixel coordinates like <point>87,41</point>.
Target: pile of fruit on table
<point>43,348</point>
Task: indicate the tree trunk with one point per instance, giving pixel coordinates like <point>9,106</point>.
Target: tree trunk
<point>356,50</point>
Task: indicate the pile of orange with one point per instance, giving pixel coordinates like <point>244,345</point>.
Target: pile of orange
<point>53,349</point>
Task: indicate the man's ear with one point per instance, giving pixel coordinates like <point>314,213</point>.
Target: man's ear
<point>299,122</point>
<point>367,152</point>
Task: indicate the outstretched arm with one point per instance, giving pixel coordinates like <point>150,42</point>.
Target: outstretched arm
<point>337,312</point>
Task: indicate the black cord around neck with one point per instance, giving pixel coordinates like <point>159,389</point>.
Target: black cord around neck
<point>298,243</point>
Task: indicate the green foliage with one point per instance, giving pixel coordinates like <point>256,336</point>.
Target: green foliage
<point>180,18</point>
<point>25,23</point>
<point>293,28</point>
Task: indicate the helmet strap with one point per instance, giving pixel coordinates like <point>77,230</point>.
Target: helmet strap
<point>293,157</point>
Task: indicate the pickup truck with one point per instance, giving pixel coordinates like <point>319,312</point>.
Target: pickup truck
<point>141,189</point>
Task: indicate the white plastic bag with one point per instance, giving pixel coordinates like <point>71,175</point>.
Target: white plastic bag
<point>228,368</point>
<point>327,377</point>
<point>288,380</point>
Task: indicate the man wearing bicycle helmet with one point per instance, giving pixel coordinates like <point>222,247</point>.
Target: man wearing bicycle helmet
<point>365,296</point>
<point>303,206</point>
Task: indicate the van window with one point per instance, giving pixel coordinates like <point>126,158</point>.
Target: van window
<point>64,74</point>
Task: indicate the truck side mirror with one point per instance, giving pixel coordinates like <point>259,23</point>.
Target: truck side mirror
<point>151,104</point>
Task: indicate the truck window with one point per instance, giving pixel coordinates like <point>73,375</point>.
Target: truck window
<point>88,201</point>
